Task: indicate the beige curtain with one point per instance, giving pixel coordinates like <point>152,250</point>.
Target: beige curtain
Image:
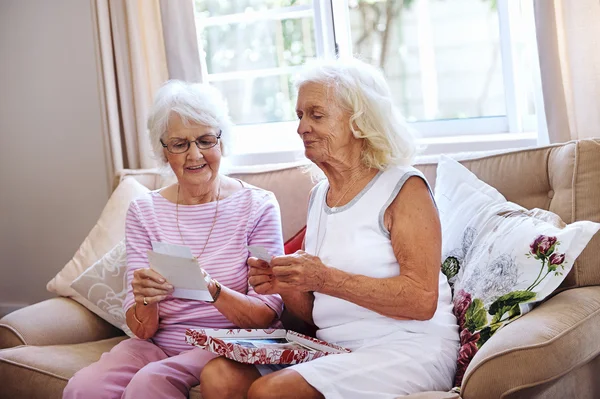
<point>181,40</point>
<point>568,35</point>
<point>133,65</point>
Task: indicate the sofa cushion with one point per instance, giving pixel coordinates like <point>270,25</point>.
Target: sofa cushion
<point>43,371</point>
<point>562,178</point>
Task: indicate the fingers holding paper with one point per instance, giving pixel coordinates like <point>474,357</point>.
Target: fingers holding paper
<point>260,276</point>
<point>149,287</point>
<point>298,272</point>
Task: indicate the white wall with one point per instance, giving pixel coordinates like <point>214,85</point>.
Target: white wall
<point>53,170</point>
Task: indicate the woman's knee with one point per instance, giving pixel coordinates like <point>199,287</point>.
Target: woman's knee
<point>283,384</point>
<point>85,384</point>
<point>263,388</point>
<point>223,378</point>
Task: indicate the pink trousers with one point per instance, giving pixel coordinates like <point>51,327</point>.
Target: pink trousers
<point>139,369</point>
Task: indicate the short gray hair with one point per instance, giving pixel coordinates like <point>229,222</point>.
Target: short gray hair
<point>194,103</point>
<point>363,91</point>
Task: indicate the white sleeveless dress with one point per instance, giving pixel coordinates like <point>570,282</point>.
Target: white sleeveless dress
<point>390,357</point>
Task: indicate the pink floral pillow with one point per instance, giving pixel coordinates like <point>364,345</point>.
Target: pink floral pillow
<point>500,258</point>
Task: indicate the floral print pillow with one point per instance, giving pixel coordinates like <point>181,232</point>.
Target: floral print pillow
<point>499,257</point>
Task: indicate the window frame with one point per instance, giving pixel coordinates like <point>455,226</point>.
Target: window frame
<point>333,39</point>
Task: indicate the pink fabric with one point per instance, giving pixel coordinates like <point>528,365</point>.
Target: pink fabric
<point>248,217</point>
<point>139,369</point>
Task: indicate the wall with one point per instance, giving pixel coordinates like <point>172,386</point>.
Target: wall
<point>53,170</point>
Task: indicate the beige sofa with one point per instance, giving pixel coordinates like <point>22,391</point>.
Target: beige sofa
<point>552,352</point>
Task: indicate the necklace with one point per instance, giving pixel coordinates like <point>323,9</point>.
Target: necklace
<point>211,227</point>
<point>319,246</point>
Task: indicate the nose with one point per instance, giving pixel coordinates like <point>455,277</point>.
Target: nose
<point>194,152</point>
<point>303,126</point>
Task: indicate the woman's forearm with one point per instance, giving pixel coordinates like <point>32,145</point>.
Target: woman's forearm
<point>300,304</point>
<point>142,320</point>
<point>396,297</point>
<point>242,310</point>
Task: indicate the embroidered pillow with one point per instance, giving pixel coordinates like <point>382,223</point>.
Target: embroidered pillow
<point>102,287</point>
<point>499,257</point>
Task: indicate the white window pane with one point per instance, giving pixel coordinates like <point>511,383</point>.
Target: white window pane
<point>260,99</point>
<point>442,58</point>
<point>258,45</point>
<point>214,8</point>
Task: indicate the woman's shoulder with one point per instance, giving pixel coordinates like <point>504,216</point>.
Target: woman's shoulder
<point>143,202</point>
<point>398,174</point>
<point>257,193</point>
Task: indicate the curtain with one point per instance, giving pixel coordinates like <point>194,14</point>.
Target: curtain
<point>568,36</point>
<point>181,40</point>
<point>133,66</point>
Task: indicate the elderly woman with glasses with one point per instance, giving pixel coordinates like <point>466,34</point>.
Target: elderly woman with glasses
<point>216,217</point>
<point>369,276</point>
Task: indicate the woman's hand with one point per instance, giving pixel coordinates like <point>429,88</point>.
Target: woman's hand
<point>260,276</point>
<point>300,271</point>
<point>149,287</point>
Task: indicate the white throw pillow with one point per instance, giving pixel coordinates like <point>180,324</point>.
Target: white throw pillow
<point>104,236</point>
<point>499,257</point>
<point>102,287</point>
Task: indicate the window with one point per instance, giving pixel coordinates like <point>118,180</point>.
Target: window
<point>461,67</point>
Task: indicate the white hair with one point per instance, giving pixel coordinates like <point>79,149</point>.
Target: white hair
<point>362,90</point>
<point>194,103</point>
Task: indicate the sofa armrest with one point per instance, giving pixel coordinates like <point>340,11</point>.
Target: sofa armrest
<point>543,345</point>
<point>56,321</point>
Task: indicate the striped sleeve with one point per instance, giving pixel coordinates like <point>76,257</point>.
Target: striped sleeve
<point>137,243</point>
<point>266,232</point>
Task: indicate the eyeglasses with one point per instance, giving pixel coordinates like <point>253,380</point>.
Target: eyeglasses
<point>179,146</point>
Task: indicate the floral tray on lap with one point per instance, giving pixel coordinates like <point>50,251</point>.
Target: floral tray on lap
<point>270,346</point>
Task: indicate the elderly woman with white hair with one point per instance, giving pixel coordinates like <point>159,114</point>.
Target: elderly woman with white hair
<point>217,217</point>
<point>369,276</point>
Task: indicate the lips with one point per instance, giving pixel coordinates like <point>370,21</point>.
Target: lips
<point>195,167</point>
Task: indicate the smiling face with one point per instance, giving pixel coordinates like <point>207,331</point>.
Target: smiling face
<point>193,167</point>
<point>324,125</point>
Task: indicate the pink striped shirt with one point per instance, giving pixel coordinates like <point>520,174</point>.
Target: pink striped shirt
<point>247,217</point>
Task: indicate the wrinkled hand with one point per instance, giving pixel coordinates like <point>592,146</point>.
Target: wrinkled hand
<point>296,272</point>
<point>148,284</point>
<point>260,277</point>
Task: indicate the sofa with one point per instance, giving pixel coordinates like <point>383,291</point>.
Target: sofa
<point>551,352</point>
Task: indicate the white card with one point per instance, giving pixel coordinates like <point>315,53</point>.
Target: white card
<point>182,273</point>
<point>165,248</point>
<point>259,252</point>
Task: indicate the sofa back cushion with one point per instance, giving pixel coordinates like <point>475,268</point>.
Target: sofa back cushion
<point>563,178</point>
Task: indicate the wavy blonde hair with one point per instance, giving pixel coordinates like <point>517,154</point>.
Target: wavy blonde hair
<point>362,90</point>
